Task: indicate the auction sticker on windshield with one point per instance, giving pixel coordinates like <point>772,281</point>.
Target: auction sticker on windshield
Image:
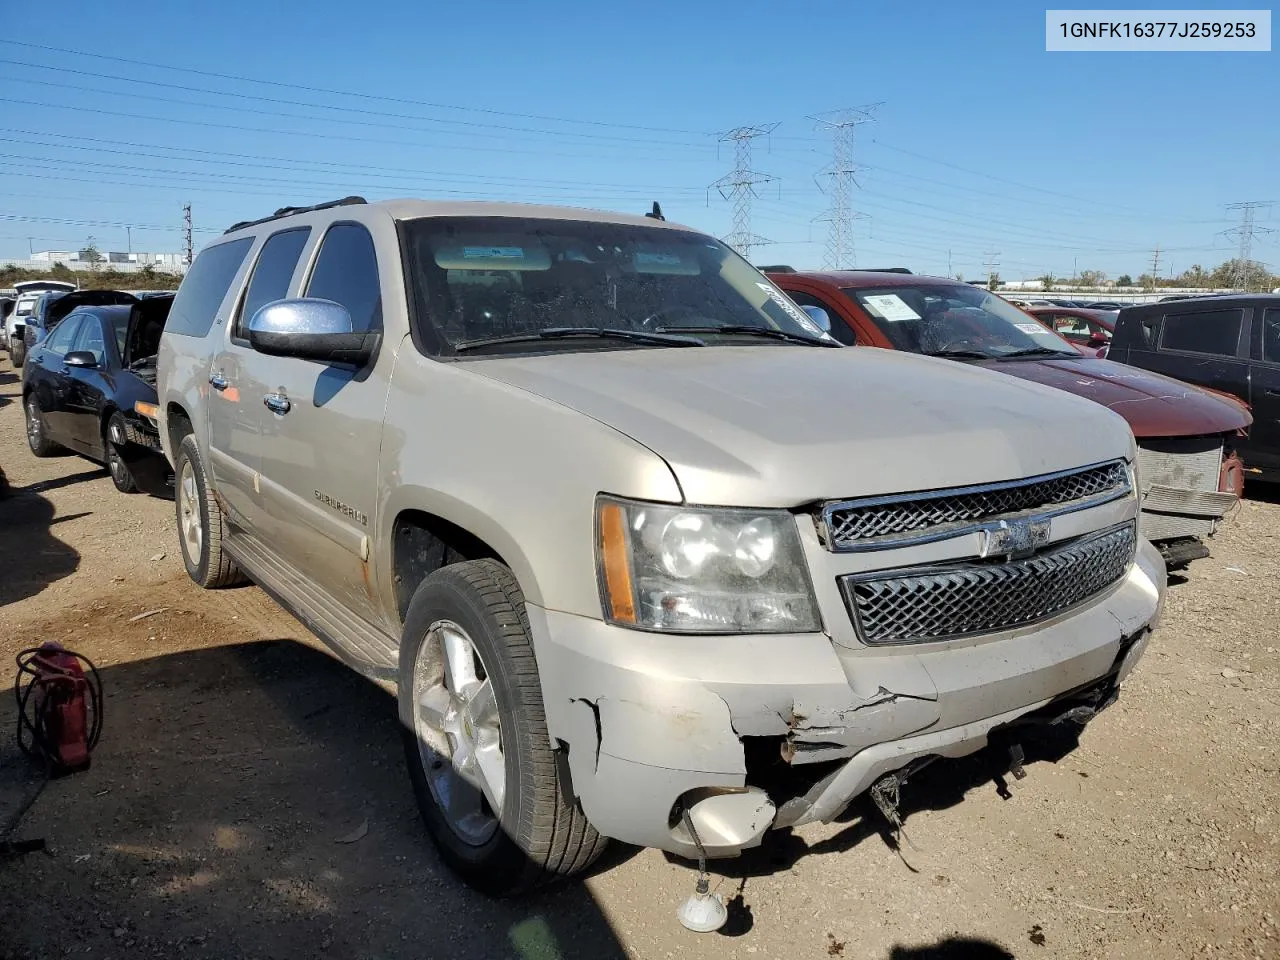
<point>1029,327</point>
<point>890,306</point>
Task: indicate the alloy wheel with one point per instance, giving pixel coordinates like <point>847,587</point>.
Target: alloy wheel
<point>459,736</point>
<point>189,513</point>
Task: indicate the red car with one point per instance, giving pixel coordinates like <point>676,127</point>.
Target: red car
<point>1090,330</point>
<point>1188,471</point>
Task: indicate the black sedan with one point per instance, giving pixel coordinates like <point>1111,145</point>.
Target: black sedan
<point>90,387</point>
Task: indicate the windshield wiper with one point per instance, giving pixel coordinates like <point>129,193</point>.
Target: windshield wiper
<point>657,338</point>
<point>747,329</point>
<point>958,354</point>
<point>1038,352</point>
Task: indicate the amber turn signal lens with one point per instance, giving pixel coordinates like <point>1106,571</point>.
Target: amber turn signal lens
<point>149,410</point>
<point>616,563</point>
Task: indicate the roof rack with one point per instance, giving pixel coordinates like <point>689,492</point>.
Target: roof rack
<point>884,270</point>
<point>290,211</point>
<point>777,268</point>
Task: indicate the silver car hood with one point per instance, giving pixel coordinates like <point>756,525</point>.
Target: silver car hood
<point>784,426</point>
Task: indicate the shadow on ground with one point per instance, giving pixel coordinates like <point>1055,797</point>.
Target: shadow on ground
<point>1261,491</point>
<point>31,557</point>
<point>212,822</point>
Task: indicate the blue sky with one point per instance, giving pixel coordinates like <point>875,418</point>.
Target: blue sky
<point>983,141</point>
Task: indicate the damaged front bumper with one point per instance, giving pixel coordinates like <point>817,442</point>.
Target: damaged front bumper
<point>758,732</point>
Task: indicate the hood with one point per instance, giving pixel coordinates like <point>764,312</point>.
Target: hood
<point>1154,405</point>
<point>786,426</point>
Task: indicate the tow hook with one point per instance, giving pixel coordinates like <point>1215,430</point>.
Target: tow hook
<point>1016,760</point>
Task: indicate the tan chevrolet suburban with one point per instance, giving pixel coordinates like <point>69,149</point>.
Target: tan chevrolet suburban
<point>644,553</point>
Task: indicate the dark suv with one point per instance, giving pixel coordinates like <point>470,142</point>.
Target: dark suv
<point>1231,344</point>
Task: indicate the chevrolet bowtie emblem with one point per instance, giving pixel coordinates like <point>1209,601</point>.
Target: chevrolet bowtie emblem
<point>1015,538</point>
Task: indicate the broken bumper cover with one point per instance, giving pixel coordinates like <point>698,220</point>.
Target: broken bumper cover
<point>649,723</point>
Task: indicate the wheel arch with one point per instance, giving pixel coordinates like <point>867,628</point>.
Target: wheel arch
<point>421,541</point>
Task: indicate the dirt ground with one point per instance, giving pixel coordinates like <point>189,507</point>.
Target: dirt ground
<point>237,756</point>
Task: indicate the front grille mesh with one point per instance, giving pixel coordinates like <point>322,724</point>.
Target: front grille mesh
<point>855,523</point>
<point>937,603</point>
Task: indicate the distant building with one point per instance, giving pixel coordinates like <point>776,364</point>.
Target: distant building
<point>72,258</point>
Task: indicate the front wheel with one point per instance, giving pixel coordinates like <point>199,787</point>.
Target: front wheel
<point>475,735</point>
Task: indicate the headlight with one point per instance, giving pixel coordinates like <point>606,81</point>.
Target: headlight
<point>700,570</point>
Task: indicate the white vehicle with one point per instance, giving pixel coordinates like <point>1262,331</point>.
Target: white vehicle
<point>29,291</point>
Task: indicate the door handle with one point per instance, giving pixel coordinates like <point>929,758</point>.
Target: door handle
<point>218,381</point>
<point>277,403</point>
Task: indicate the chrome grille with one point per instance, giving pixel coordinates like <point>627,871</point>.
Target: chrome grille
<point>857,524</point>
<point>923,604</point>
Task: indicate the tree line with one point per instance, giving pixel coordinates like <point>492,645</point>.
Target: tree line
<point>1247,275</point>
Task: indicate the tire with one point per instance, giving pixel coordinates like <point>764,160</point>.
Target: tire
<point>17,353</point>
<point>541,836</point>
<point>113,438</point>
<point>37,436</point>
<point>207,563</point>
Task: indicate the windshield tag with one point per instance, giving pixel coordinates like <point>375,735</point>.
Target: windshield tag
<point>890,307</point>
<point>794,312</point>
<point>1029,327</point>
<point>497,253</point>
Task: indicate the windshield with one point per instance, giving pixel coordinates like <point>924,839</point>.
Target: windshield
<point>956,319</point>
<point>478,280</point>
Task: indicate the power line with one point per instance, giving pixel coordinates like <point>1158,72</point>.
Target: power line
<point>739,186</point>
<point>344,93</point>
<point>290,163</point>
<point>475,128</point>
<point>841,124</point>
<point>343,138</point>
<point>1110,205</point>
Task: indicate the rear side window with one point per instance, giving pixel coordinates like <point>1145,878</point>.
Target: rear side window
<point>271,275</point>
<point>346,272</point>
<point>1215,332</point>
<point>91,338</point>
<point>1271,336</point>
<point>204,287</point>
<point>59,342</point>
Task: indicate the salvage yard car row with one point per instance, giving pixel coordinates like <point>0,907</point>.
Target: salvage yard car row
<point>645,553</point>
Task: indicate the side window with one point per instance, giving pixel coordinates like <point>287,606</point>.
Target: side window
<point>1215,332</point>
<point>1271,336</point>
<point>59,342</point>
<point>346,272</point>
<point>1065,324</point>
<point>91,339</point>
<point>271,275</point>
<point>839,329</point>
<point>204,287</point>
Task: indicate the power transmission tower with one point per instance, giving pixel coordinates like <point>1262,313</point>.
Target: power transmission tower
<point>186,221</point>
<point>840,173</point>
<point>1155,267</point>
<point>992,263</point>
<point>1244,234</point>
<point>739,186</point>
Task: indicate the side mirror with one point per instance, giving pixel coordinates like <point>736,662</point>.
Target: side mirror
<point>820,317</point>
<point>310,329</point>
<point>80,358</point>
